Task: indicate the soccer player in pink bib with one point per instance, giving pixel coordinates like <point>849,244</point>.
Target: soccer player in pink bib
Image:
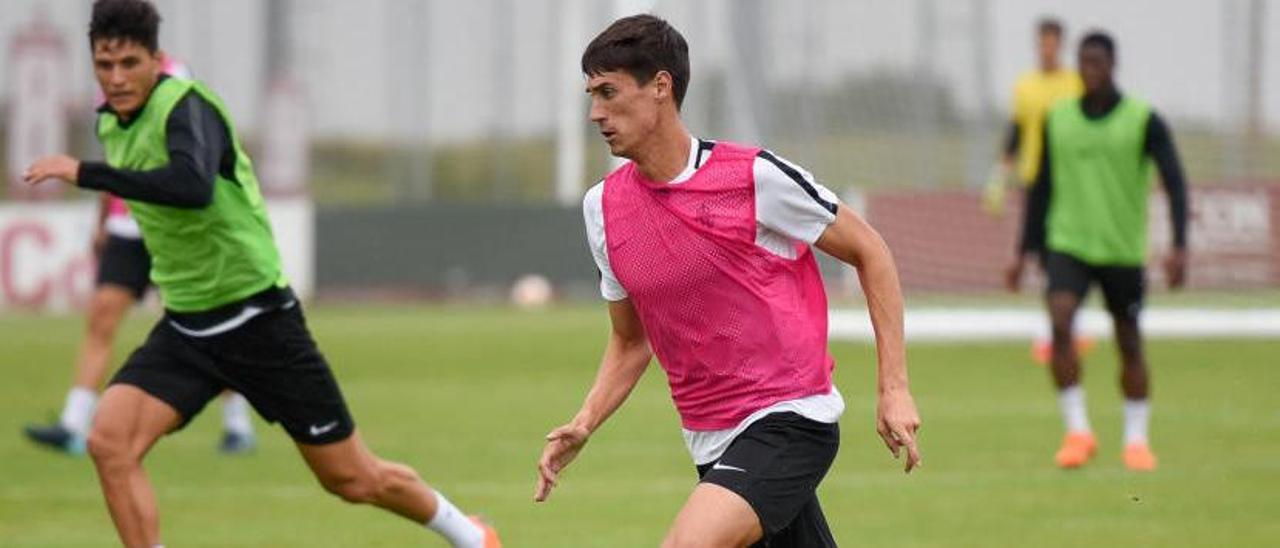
<point>705,255</point>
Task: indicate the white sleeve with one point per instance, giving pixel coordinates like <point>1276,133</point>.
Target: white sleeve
<point>789,201</point>
<point>593,215</point>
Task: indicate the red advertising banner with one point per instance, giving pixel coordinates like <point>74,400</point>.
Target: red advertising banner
<point>944,241</point>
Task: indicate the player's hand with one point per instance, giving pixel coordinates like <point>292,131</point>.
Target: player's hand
<point>563,444</point>
<point>59,166</point>
<point>993,191</point>
<point>1013,274</point>
<point>897,422</point>
<point>1175,268</point>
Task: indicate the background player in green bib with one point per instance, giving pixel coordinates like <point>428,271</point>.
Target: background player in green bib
<point>231,320</point>
<point>1087,217</point>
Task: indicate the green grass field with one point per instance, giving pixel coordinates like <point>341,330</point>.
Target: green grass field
<point>465,395</point>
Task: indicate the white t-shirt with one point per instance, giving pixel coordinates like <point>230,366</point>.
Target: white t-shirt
<point>790,206</point>
<point>123,226</point>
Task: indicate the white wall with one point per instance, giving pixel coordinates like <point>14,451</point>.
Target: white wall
<point>1171,51</point>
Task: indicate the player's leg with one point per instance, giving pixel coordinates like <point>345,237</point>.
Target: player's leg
<point>1069,281</point>
<point>128,423</point>
<point>808,529</point>
<point>349,470</point>
<point>274,362</point>
<point>762,489</point>
<point>121,281</point>
<point>1125,289</point>
<point>1134,376</point>
<point>714,516</point>
<point>237,426</point>
<point>107,309</point>
<point>159,389</point>
<point>108,305</point>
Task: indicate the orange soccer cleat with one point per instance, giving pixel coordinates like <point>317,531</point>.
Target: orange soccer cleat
<point>1139,458</point>
<point>490,534</point>
<point>1077,448</point>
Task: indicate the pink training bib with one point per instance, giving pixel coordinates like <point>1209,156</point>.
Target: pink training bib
<point>736,327</point>
<point>116,207</point>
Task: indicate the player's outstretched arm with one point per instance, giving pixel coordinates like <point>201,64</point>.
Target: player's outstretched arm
<point>855,242</point>
<point>58,166</point>
<point>626,356</point>
<point>196,139</point>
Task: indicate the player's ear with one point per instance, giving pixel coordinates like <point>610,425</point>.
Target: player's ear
<point>662,85</point>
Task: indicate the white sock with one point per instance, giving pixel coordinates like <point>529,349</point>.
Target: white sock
<point>77,414</point>
<point>1074,414</point>
<point>455,526</point>
<point>1137,414</point>
<point>235,415</point>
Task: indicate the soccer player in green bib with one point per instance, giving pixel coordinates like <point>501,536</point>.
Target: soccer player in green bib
<point>1087,219</point>
<point>230,318</point>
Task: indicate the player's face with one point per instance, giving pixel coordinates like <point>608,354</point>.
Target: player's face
<point>126,72</point>
<point>624,111</point>
<point>1095,68</point>
<point>1049,45</point>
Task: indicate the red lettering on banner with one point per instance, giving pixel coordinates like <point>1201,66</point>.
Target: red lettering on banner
<point>9,240</point>
<point>77,280</point>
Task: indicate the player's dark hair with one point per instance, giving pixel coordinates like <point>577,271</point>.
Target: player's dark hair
<point>1050,25</point>
<point>1102,40</point>
<point>126,20</point>
<point>640,45</point>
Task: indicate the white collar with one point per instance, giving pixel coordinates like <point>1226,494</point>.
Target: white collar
<point>691,166</point>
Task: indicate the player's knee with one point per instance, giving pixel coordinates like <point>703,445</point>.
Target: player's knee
<point>351,489</point>
<point>355,488</point>
<point>103,322</point>
<point>682,537</point>
<point>108,446</point>
<point>395,475</point>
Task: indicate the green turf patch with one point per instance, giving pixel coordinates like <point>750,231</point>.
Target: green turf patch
<point>465,396</point>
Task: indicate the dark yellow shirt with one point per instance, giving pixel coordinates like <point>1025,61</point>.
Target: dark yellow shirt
<point>1033,96</point>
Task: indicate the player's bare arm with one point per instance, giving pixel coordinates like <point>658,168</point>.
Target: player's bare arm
<point>856,243</point>
<point>626,356</point>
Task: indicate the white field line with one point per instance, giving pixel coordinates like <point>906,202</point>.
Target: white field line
<point>990,324</point>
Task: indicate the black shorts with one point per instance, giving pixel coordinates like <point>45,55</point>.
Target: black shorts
<point>776,465</point>
<point>125,263</point>
<point>271,360</point>
<point>1123,287</point>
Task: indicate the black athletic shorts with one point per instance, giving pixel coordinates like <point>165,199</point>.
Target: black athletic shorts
<point>125,263</point>
<point>271,360</point>
<point>1123,287</point>
<point>776,465</point>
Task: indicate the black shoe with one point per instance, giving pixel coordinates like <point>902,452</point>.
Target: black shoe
<point>56,437</point>
<point>234,443</point>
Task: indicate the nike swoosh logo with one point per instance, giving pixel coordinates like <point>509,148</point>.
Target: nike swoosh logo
<point>718,466</point>
<point>318,430</point>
